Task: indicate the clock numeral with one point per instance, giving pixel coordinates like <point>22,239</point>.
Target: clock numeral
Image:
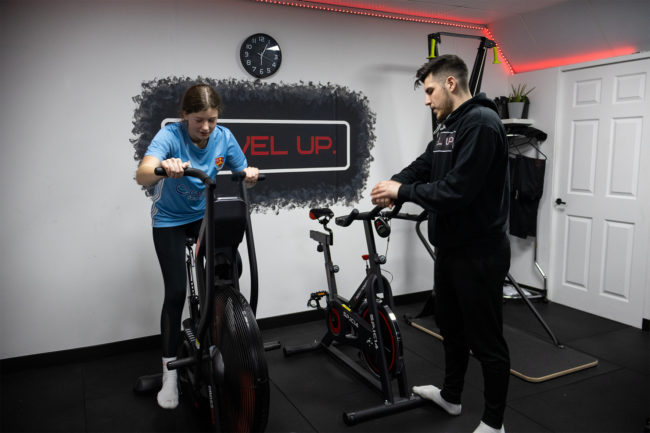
<point>248,62</point>
<point>249,46</point>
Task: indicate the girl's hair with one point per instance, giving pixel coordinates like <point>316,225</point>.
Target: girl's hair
<point>200,97</point>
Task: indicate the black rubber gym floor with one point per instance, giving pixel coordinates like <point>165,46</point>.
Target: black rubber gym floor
<point>310,391</point>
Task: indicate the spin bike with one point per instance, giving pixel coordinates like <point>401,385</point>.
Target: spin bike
<point>366,321</point>
<point>221,357</point>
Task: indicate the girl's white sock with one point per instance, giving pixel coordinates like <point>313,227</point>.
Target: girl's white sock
<point>168,395</point>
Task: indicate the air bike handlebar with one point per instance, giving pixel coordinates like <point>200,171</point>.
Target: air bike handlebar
<point>189,171</point>
<point>209,216</point>
<point>203,177</point>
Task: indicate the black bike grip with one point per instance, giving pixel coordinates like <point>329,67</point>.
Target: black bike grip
<point>240,175</point>
<point>188,171</point>
<point>346,220</point>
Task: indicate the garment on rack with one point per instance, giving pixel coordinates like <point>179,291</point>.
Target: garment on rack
<point>526,187</point>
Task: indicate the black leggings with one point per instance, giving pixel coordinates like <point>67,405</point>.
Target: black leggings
<point>170,248</point>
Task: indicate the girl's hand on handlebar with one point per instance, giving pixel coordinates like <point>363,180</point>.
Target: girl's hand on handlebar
<point>252,173</point>
<point>174,167</point>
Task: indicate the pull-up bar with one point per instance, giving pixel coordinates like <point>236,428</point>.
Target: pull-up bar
<point>434,39</point>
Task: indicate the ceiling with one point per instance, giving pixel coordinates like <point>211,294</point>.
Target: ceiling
<point>531,34</point>
<point>471,11</point>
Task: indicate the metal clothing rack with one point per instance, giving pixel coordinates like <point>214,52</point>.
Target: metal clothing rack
<point>511,125</point>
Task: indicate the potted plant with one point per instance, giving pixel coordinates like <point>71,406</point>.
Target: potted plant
<point>516,100</point>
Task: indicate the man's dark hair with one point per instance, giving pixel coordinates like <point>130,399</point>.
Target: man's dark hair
<point>446,65</point>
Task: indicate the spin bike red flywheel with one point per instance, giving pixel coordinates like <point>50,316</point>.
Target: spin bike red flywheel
<point>391,338</point>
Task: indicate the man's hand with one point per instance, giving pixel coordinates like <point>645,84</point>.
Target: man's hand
<point>385,192</point>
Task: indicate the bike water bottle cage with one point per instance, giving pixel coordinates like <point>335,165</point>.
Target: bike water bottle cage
<point>382,227</point>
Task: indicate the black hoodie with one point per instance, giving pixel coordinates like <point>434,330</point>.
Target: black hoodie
<point>462,178</point>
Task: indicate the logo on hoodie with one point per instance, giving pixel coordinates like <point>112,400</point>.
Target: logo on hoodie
<point>219,162</point>
<point>444,141</point>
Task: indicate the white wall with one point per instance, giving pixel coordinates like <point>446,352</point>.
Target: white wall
<point>78,267</point>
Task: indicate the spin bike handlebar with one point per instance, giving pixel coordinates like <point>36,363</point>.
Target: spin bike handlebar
<point>407,216</point>
<point>346,220</point>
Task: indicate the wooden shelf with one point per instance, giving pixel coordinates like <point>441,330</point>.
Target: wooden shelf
<point>517,121</point>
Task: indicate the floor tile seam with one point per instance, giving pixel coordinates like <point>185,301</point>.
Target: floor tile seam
<point>422,357</point>
<point>524,415</point>
<point>602,334</point>
<point>277,387</point>
<point>83,396</point>
<point>599,358</point>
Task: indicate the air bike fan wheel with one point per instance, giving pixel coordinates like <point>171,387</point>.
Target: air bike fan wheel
<point>243,395</point>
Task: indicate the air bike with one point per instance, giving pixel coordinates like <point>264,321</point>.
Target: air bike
<point>221,360</point>
<point>366,321</point>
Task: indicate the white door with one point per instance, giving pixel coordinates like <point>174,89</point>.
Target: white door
<point>603,161</point>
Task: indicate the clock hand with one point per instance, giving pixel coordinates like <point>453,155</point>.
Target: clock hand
<point>262,53</point>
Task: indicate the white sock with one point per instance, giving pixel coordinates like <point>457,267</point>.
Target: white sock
<point>484,428</point>
<point>432,393</point>
<point>168,395</point>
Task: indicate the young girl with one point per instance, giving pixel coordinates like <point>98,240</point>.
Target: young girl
<point>179,203</point>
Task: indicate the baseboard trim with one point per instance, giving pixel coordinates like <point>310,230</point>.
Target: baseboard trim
<point>84,354</point>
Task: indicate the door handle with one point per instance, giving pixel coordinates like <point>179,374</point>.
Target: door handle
<point>558,201</point>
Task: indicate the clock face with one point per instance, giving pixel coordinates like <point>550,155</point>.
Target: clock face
<point>260,55</point>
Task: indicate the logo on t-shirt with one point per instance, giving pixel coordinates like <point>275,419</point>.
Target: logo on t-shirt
<point>219,161</point>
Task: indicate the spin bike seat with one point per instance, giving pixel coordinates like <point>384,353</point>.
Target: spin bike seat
<point>317,213</point>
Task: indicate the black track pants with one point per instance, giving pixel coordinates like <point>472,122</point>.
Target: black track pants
<point>469,312</point>
<point>170,248</point>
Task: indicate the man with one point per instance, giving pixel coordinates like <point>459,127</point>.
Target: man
<point>462,181</point>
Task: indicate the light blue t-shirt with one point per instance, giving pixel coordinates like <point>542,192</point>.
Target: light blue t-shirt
<point>181,201</point>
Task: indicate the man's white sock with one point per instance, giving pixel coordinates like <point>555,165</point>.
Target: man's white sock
<point>168,395</point>
<point>432,393</point>
<point>484,428</point>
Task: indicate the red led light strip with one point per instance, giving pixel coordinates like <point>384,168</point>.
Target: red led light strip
<point>391,16</point>
<point>371,13</point>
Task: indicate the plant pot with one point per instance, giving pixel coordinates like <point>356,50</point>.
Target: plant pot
<point>516,110</point>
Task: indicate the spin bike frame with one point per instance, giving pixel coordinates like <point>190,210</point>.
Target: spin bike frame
<point>367,291</point>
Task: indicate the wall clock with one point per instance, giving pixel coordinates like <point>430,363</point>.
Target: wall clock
<point>260,55</point>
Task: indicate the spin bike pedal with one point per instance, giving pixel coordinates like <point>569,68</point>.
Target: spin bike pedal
<point>314,299</point>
